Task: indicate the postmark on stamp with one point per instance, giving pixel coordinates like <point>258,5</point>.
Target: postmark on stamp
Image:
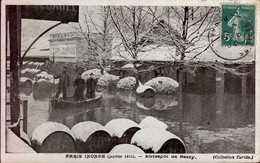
<point>238,25</point>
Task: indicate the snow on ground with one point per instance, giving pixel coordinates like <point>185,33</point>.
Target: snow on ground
<point>43,131</point>
<point>163,84</point>
<point>97,74</point>
<point>15,145</point>
<point>152,122</point>
<point>126,148</point>
<point>106,80</point>
<point>127,83</point>
<point>152,138</point>
<point>83,130</point>
<point>117,127</point>
<point>158,53</point>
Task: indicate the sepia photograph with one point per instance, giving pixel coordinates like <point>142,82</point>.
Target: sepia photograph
<point>112,81</point>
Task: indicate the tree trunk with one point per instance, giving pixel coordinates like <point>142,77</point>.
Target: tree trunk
<point>185,23</point>
<point>185,28</point>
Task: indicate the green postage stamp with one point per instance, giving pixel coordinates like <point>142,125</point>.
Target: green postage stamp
<point>238,25</point>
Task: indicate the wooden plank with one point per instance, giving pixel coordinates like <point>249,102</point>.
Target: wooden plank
<point>14,18</point>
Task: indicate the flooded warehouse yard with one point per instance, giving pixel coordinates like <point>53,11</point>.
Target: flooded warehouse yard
<point>214,122</point>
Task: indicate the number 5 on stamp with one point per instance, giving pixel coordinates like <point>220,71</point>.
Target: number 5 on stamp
<point>238,25</point>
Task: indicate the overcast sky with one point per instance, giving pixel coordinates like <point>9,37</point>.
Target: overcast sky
<point>31,28</point>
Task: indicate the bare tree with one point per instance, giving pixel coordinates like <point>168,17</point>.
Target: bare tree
<point>98,33</point>
<point>197,22</point>
<point>131,23</point>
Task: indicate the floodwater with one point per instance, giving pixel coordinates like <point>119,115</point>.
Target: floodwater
<point>208,123</point>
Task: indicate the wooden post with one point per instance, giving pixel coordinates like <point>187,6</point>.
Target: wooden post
<point>15,49</point>
<point>25,106</point>
<point>220,92</point>
<point>180,99</point>
<point>244,96</point>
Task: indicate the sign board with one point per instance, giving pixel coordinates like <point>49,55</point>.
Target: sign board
<point>63,51</point>
<point>56,13</point>
<point>66,35</point>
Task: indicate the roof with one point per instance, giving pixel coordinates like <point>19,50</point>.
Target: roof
<point>162,34</point>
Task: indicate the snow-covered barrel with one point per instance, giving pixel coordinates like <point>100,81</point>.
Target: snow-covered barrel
<point>25,82</point>
<point>29,73</point>
<point>126,149</point>
<point>43,84</point>
<point>25,63</point>
<point>92,137</point>
<point>122,130</point>
<point>96,74</point>
<point>44,75</point>
<point>107,80</point>
<point>156,140</point>
<point>31,65</point>
<point>127,83</point>
<point>39,65</point>
<point>52,137</point>
<point>152,122</point>
<point>145,90</point>
<point>128,70</point>
<point>163,85</point>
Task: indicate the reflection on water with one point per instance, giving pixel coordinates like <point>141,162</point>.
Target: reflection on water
<point>206,122</point>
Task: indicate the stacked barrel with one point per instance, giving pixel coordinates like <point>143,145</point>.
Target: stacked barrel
<point>117,136</point>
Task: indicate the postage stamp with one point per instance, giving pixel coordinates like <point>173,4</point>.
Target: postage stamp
<point>238,25</point>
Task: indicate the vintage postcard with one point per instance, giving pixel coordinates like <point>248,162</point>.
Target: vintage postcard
<point>130,81</point>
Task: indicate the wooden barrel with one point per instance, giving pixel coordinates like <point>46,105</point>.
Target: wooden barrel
<point>145,90</point>
<point>39,65</point>
<point>92,137</point>
<point>43,84</point>
<point>53,137</point>
<point>29,73</point>
<point>152,122</point>
<point>126,149</point>
<point>122,129</point>
<point>26,82</point>
<point>156,140</point>
<point>30,65</point>
<point>163,85</point>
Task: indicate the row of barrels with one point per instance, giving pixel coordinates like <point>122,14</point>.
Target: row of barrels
<point>117,136</point>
